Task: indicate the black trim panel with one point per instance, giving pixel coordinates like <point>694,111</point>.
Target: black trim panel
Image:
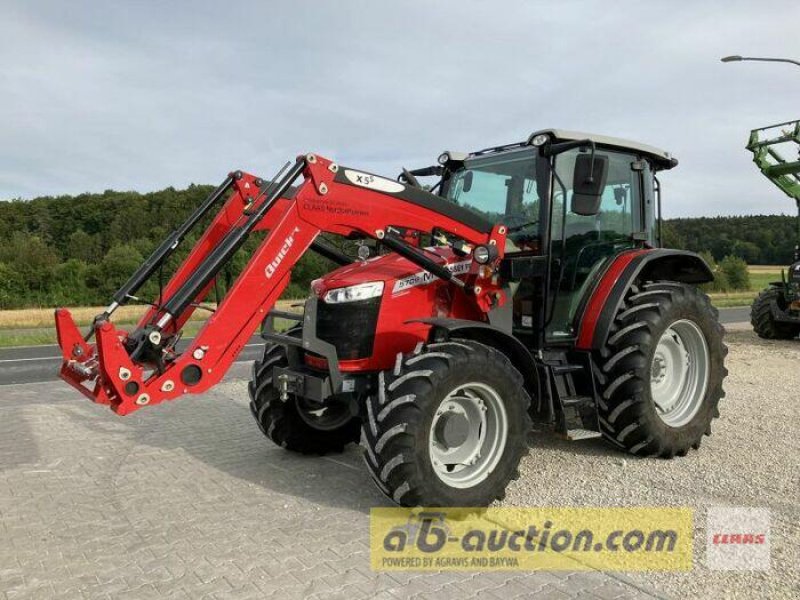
<point>424,199</point>
<point>584,302</point>
<point>614,301</point>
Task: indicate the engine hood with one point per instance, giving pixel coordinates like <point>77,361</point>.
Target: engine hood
<point>395,271</point>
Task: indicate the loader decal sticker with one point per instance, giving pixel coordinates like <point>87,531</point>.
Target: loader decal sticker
<point>275,263</point>
<point>424,278</point>
<point>373,182</point>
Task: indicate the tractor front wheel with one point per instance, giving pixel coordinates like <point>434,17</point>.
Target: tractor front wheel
<point>448,426</point>
<point>294,423</point>
<point>661,371</point>
<point>764,323</point>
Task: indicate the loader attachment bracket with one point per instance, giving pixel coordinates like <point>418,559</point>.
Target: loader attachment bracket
<point>79,366</point>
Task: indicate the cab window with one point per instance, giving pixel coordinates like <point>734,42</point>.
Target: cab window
<point>502,188</point>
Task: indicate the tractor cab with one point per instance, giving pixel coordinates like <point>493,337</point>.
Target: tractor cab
<point>571,202</point>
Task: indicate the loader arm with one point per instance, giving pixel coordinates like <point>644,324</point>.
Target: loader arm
<point>130,370</point>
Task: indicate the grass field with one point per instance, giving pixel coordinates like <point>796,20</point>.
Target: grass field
<point>760,277</point>
<point>29,318</point>
<point>34,326</point>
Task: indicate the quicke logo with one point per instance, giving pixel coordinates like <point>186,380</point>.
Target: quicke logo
<point>275,263</point>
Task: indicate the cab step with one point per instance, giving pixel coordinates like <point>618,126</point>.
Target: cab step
<point>577,401</point>
<point>563,369</point>
<point>582,434</point>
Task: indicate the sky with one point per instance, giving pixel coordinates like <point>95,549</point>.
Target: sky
<point>144,95</point>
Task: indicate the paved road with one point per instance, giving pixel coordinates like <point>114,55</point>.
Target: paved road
<point>734,315</point>
<point>30,364</point>
<point>40,363</point>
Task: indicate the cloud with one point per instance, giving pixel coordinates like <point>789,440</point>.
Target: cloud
<point>145,95</point>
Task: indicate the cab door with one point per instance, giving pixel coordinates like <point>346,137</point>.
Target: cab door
<point>581,245</point>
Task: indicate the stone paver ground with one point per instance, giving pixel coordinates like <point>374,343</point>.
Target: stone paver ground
<point>188,500</point>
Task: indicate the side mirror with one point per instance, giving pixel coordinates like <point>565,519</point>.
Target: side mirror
<point>588,183</point>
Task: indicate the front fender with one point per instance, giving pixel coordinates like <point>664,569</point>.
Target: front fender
<point>488,334</point>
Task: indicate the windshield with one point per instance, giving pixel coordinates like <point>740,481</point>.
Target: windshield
<point>502,189</point>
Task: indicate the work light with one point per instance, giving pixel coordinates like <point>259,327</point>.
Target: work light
<point>540,140</point>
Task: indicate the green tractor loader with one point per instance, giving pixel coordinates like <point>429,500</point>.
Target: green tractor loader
<point>775,313</point>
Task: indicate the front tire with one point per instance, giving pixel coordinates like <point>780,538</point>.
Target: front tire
<point>762,320</point>
<point>661,371</point>
<point>293,424</point>
<point>448,426</point>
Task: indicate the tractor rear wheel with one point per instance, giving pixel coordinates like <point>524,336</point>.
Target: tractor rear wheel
<point>295,424</point>
<point>448,426</point>
<point>661,371</point>
<point>762,320</point>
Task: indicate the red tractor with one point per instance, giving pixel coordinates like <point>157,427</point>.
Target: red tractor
<point>523,283</point>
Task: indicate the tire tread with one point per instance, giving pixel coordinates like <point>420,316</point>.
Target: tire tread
<point>625,412</point>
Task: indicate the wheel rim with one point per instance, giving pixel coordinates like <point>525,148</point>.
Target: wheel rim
<point>468,435</point>
<point>679,373</point>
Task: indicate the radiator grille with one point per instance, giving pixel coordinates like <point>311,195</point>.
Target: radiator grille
<point>350,327</point>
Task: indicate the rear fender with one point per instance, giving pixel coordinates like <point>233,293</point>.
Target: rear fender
<point>488,334</point>
<point>606,297</point>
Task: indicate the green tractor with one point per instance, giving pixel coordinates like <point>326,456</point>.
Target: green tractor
<point>775,313</point>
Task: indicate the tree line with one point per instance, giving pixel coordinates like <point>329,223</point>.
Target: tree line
<point>78,250</point>
<point>757,239</point>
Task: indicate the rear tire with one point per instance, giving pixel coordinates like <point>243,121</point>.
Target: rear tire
<point>761,316</point>
<point>661,371</point>
<point>448,426</point>
<point>287,424</point>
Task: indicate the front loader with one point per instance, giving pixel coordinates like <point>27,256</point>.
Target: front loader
<point>522,283</point>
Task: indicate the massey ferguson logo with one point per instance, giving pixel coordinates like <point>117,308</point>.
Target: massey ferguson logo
<point>287,243</point>
<point>424,278</point>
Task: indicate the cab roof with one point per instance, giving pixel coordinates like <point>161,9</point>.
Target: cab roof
<point>662,158</point>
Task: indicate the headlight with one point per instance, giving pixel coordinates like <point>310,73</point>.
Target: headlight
<point>354,293</point>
